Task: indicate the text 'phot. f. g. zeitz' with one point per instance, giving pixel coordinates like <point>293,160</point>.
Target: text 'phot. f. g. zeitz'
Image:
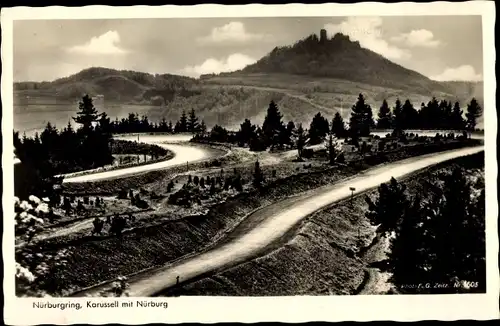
<point>263,156</point>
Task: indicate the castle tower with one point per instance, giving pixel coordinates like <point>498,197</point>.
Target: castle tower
<point>322,36</point>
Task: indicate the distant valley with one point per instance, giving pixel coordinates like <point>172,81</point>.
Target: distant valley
<point>313,75</point>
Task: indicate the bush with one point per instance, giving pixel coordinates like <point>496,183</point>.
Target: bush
<point>170,186</point>
<point>237,183</point>
<point>202,182</point>
<point>196,180</point>
<point>381,145</point>
<point>184,197</point>
<point>307,153</point>
<point>227,183</point>
<point>273,173</point>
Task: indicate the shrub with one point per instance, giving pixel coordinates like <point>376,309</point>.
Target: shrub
<point>307,153</point>
<point>196,180</point>
<point>273,173</point>
<point>227,183</point>
<point>237,183</point>
<point>202,182</point>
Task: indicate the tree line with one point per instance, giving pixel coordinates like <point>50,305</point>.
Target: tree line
<point>56,152</point>
<point>275,133</point>
<point>135,124</point>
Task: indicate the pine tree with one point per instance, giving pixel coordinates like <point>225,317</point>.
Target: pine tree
<point>182,123</point>
<point>170,127</point>
<point>457,120</point>
<point>409,116</point>
<point>474,111</point>
<point>384,120</point>
<point>203,128</point>
<point>397,117</point>
<point>105,123</point>
<point>272,124</point>
<point>192,123</point>
<point>450,225</point>
<point>332,151</point>
<point>246,133</point>
<point>87,113</point>
<point>338,126</point>
<point>389,207</point>
<point>290,133</point>
<point>318,129</point>
<point>301,140</point>
<point>408,260</point>
<point>361,118</point>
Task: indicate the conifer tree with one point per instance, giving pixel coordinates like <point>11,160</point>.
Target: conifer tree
<point>397,117</point>
<point>474,111</point>
<point>272,125</point>
<point>389,208</point>
<point>301,140</point>
<point>87,113</point>
<point>457,120</point>
<point>408,260</point>
<point>246,133</point>
<point>361,118</point>
<point>318,129</point>
<point>384,116</point>
<point>338,126</point>
<point>192,123</point>
<point>409,116</point>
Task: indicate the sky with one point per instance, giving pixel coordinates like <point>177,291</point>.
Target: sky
<point>439,47</point>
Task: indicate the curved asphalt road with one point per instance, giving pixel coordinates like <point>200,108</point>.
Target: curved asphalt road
<point>279,218</point>
<point>183,154</point>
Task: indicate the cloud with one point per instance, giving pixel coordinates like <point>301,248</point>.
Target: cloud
<point>462,73</point>
<point>233,62</point>
<point>367,31</point>
<point>106,43</point>
<point>232,32</point>
<point>417,38</point>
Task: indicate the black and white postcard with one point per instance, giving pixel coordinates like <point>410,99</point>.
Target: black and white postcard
<point>249,163</point>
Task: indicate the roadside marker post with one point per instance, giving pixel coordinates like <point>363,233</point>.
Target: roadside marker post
<point>352,189</point>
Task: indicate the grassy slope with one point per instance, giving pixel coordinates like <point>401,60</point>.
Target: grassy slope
<point>319,258</point>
